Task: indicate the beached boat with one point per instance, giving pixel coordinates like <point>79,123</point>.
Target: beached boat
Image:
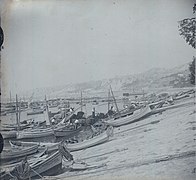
<point>20,151</point>
<point>34,133</point>
<point>8,134</point>
<point>67,131</point>
<point>34,112</point>
<point>38,132</point>
<point>14,127</point>
<point>137,115</point>
<point>42,145</point>
<point>187,102</point>
<point>39,167</point>
<point>96,140</point>
<point>48,166</point>
<point>9,131</point>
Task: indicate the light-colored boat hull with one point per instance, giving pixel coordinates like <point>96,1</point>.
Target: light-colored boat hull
<point>18,153</point>
<point>64,133</point>
<point>37,133</point>
<point>130,118</point>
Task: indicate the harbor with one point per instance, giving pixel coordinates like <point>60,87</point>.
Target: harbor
<point>96,89</point>
<point>104,145</point>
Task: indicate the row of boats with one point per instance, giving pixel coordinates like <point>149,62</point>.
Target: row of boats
<point>44,158</point>
<point>41,158</point>
<point>65,131</point>
<point>29,130</point>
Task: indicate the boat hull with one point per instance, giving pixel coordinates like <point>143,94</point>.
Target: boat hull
<point>34,113</point>
<point>37,133</point>
<point>11,155</point>
<point>66,133</point>
<point>9,134</point>
<point>50,166</point>
<point>100,139</point>
<point>136,116</point>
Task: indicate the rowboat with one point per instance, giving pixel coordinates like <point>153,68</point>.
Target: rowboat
<point>99,139</point>
<point>34,112</point>
<point>8,134</point>
<point>67,131</point>
<point>34,133</point>
<point>51,147</point>
<point>177,105</point>
<point>9,131</point>
<point>31,159</point>
<point>49,166</point>
<point>15,126</point>
<point>20,151</point>
<point>96,140</point>
<point>42,166</point>
<point>137,115</point>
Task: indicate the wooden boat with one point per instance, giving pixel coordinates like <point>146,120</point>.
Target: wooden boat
<point>34,112</point>
<point>185,95</point>
<point>15,126</point>
<point>67,131</point>
<point>137,115</point>
<point>34,133</point>
<point>99,139</point>
<point>51,147</point>
<point>39,132</point>
<point>42,166</point>
<point>48,166</point>
<point>177,105</point>
<point>8,134</point>
<point>9,131</point>
<point>96,140</point>
<point>20,151</point>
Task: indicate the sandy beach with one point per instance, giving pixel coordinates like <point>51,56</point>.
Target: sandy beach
<point>161,146</point>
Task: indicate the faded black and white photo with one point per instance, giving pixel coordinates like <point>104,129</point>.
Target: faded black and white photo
<point>97,89</point>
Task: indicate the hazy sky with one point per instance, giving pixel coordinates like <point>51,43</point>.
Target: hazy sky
<point>50,43</point>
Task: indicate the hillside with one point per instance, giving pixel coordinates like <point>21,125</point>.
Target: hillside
<point>153,78</point>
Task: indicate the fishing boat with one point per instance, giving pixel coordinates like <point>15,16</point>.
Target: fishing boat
<point>8,134</point>
<point>67,131</point>
<point>51,147</point>
<point>96,140</point>
<point>46,165</point>
<point>186,102</point>
<point>34,112</point>
<point>9,131</point>
<point>34,133</point>
<point>136,116</point>
<point>37,132</point>
<point>15,126</point>
<point>20,151</point>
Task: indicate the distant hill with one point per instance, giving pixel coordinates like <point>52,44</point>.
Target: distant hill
<point>153,78</point>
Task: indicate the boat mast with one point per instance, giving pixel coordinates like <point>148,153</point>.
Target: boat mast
<point>47,113</point>
<point>19,111</point>
<point>114,100</point>
<point>10,97</point>
<point>17,115</point>
<point>81,101</point>
<point>109,100</point>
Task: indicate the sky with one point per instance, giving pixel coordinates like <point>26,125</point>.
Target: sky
<point>51,43</point>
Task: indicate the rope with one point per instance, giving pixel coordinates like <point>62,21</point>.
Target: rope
<point>37,173</point>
